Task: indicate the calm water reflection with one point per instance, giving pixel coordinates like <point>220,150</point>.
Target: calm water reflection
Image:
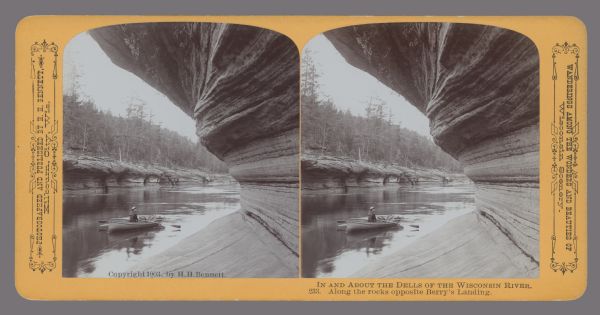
<point>88,252</point>
<point>327,252</point>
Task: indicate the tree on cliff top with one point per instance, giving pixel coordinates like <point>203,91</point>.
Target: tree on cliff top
<point>372,137</point>
<point>134,138</point>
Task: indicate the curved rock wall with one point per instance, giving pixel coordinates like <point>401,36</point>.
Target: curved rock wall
<point>478,85</point>
<point>240,84</point>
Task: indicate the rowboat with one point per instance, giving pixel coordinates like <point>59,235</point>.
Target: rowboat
<point>365,225</point>
<point>123,226</point>
<point>390,217</point>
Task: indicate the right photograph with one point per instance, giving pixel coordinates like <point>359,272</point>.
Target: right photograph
<point>420,152</point>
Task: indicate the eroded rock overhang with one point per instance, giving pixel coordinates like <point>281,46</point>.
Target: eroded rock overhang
<point>240,84</point>
<point>479,87</point>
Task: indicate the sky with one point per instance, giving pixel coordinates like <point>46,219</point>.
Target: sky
<point>350,88</point>
<point>112,88</point>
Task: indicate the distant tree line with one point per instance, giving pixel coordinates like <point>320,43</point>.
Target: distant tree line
<point>134,138</point>
<point>375,138</point>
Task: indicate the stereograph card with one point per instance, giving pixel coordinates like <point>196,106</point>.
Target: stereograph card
<point>342,158</point>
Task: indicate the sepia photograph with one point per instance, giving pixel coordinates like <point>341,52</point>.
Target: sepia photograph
<point>180,152</point>
<point>420,152</point>
<point>301,158</point>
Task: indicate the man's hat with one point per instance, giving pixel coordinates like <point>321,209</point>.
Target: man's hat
<point>371,208</point>
<point>132,208</point>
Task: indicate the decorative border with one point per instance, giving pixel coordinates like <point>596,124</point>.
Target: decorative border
<point>565,147</point>
<point>43,183</point>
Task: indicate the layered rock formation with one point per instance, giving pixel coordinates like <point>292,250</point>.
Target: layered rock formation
<point>462,248</point>
<point>322,174</point>
<point>246,249</point>
<point>478,85</point>
<point>240,84</point>
<point>103,173</point>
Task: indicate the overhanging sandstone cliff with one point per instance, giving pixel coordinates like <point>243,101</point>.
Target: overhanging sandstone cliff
<point>240,84</point>
<point>478,85</point>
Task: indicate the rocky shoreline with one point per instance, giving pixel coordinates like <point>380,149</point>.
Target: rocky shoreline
<point>86,172</point>
<point>465,247</point>
<point>234,246</point>
<point>326,174</point>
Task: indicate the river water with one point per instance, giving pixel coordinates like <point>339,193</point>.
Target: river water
<point>90,252</point>
<point>330,252</point>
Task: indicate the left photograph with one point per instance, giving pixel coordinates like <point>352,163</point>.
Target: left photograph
<point>180,152</point>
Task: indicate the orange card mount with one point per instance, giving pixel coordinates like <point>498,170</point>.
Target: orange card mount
<point>342,158</point>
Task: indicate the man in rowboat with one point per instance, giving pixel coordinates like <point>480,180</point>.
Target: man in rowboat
<point>371,217</point>
<point>133,217</point>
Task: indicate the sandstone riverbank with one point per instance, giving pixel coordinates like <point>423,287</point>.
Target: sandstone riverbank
<point>234,246</point>
<point>86,172</point>
<point>465,247</point>
<point>323,173</point>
